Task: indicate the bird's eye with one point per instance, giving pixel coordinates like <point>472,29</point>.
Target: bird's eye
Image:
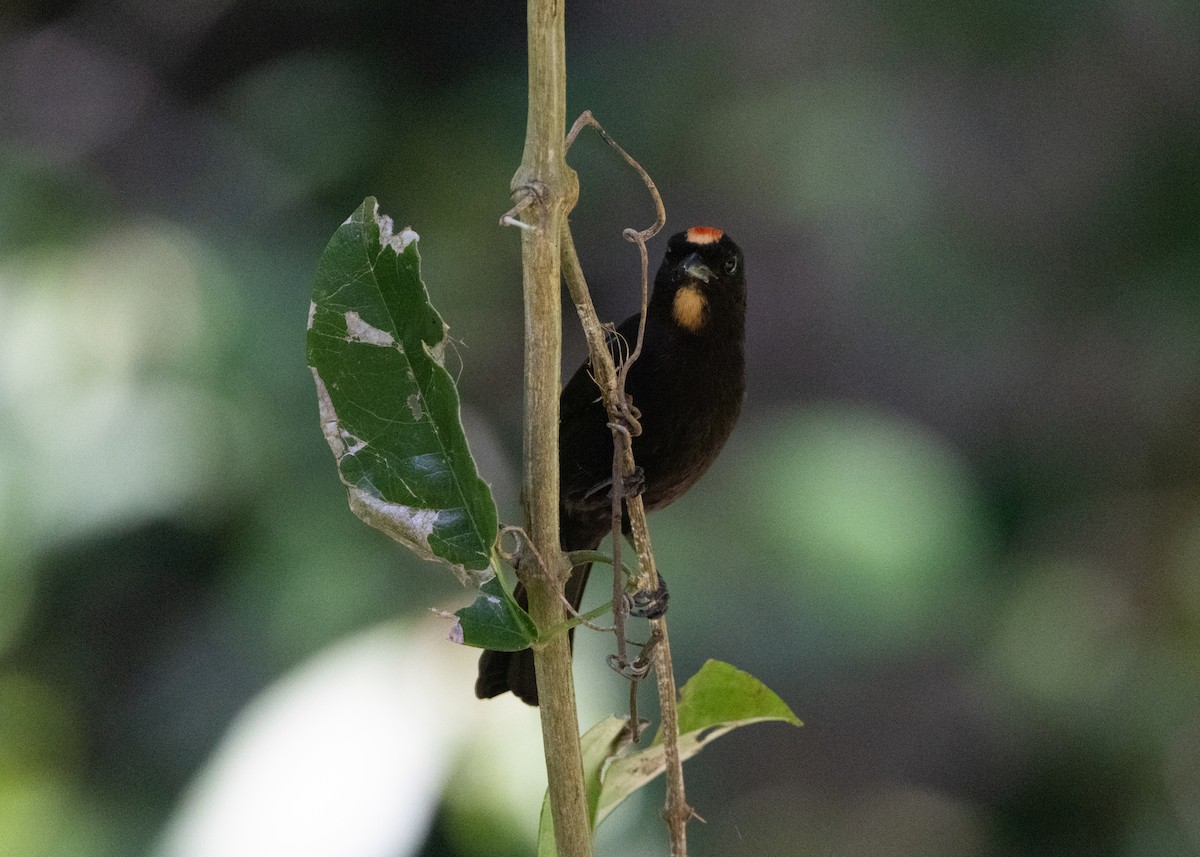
<point>731,264</point>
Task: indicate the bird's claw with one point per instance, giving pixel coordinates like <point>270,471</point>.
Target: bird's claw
<point>633,670</point>
<point>633,484</point>
<point>650,605</point>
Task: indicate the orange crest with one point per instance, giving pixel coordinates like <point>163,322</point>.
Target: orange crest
<point>704,235</point>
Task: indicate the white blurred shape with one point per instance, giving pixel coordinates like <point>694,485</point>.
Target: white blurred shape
<point>347,756</point>
<point>112,407</point>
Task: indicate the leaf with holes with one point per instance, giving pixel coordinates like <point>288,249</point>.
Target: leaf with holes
<point>389,409</point>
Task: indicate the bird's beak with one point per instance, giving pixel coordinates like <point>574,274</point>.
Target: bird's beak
<point>696,269</point>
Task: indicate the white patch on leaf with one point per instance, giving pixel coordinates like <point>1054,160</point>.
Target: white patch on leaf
<point>329,419</point>
<point>341,441</point>
<point>386,229</point>
<point>437,351</point>
<point>312,313</point>
<point>407,236</point>
<point>358,330</point>
<point>408,525</point>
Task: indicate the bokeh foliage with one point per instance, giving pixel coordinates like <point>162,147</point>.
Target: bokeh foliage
<point>958,528</point>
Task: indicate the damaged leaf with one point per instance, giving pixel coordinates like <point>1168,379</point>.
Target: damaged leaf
<point>389,409</point>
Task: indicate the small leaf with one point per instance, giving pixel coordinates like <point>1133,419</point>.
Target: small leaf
<point>495,621</point>
<point>721,693</point>
<point>717,699</point>
<point>598,745</point>
<point>389,409</point>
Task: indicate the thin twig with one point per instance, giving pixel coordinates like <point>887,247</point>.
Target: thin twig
<point>635,724</point>
<point>622,413</point>
<point>678,811</point>
<point>583,620</point>
<point>587,119</point>
<point>526,195</point>
<point>620,607</point>
<point>635,236</point>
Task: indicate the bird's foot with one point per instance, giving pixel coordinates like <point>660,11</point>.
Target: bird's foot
<point>634,670</point>
<point>650,605</point>
<point>631,486</point>
<point>635,483</point>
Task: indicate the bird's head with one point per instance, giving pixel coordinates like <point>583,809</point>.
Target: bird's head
<point>702,281</point>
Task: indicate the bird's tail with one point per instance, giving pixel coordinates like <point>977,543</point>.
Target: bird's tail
<point>501,671</point>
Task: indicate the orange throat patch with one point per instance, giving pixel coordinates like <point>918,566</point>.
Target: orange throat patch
<point>689,308</point>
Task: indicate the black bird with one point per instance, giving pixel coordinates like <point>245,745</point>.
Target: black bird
<point>688,383</point>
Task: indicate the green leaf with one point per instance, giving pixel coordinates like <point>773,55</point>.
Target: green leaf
<point>721,694</point>
<point>494,621</point>
<point>598,745</point>
<point>389,409</point>
<point>716,700</point>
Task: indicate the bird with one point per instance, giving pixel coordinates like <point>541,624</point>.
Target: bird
<point>688,385</point>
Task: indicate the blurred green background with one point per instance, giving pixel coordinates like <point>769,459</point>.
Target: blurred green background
<point>958,527</point>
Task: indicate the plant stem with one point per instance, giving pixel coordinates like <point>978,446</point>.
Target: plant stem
<point>677,811</point>
<point>544,178</point>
